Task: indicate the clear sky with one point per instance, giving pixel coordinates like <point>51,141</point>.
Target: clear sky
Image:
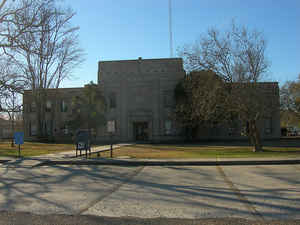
<point>128,29</point>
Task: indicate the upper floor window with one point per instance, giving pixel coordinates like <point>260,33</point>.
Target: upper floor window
<point>63,106</point>
<point>48,106</point>
<point>168,99</point>
<point>33,107</point>
<point>112,100</point>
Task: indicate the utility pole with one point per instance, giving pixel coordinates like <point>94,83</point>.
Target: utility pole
<point>170,29</point>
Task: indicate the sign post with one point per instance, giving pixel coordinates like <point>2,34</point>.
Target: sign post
<point>19,140</point>
<point>111,129</point>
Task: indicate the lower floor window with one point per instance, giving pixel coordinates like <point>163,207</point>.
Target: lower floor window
<point>32,129</point>
<point>268,125</point>
<point>168,127</point>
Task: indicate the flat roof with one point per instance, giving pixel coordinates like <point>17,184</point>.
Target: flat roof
<point>58,89</point>
<point>141,59</point>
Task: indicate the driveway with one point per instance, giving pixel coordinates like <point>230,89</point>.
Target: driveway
<point>249,192</point>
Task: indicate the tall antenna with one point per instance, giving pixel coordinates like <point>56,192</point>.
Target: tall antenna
<point>170,29</point>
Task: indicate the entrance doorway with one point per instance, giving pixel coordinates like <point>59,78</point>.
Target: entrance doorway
<point>140,131</point>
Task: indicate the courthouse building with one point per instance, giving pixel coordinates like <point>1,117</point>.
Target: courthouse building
<point>140,100</point>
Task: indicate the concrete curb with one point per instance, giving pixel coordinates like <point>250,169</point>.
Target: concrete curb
<point>169,163</point>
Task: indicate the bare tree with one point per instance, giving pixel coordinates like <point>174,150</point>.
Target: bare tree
<point>238,57</point>
<point>12,27</point>
<point>11,105</point>
<point>11,87</point>
<point>8,36</point>
<point>12,24</point>
<point>47,55</point>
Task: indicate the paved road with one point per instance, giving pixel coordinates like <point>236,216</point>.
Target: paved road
<point>248,192</point>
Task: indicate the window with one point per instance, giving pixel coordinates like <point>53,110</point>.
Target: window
<point>48,127</point>
<point>63,106</point>
<point>26,108</point>
<point>245,129</point>
<point>32,129</point>
<point>268,125</point>
<point>112,101</point>
<point>48,106</point>
<point>33,107</point>
<point>168,127</point>
<point>64,129</point>
<point>234,131</point>
<point>168,99</point>
<point>111,126</point>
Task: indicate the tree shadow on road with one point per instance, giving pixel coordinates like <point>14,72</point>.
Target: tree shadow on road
<point>73,189</point>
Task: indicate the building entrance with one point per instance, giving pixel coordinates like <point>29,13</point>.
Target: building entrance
<point>140,131</point>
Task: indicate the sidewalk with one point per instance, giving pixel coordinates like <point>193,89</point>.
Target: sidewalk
<point>68,158</point>
<point>178,162</point>
<point>72,154</point>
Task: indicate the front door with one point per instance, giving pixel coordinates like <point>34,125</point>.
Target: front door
<point>140,131</point>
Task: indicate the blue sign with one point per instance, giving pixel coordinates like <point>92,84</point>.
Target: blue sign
<point>19,138</point>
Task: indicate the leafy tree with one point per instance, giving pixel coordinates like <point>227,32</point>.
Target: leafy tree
<point>88,109</point>
<point>200,100</point>
<point>238,57</point>
<point>290,102</point>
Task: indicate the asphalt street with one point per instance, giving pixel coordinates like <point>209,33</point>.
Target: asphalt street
<point>261,193</point>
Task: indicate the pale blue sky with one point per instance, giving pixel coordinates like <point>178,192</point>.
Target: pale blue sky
<point>128,29</point>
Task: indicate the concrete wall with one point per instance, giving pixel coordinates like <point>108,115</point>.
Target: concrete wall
<point>56,116</point>
<point>143,91</point>
<point>141,87</point>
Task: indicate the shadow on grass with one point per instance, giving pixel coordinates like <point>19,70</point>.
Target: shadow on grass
<point>283,142</point>
<point>278,152</point>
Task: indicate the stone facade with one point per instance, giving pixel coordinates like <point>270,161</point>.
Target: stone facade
<point>143,92</point>
<point>57,112</point>
<point>139,94</point>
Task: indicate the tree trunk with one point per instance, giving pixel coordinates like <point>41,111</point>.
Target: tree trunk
<point>254,136</point>
<point>54,109</point>
<point>13,131</point>
<point>40,129</point>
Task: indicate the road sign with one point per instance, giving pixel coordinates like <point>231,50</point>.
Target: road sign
<point>82,141</point>
<point>19,138</point>
<point>81,145</point>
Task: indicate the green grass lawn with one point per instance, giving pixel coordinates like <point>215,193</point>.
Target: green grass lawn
<point>33,149</point>
<point>148,151</point>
